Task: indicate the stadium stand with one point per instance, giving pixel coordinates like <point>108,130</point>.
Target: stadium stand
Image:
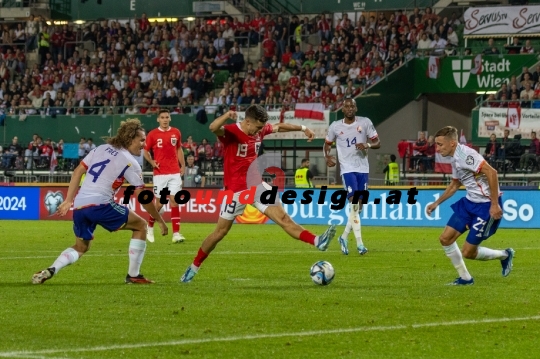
<point>135,67</point>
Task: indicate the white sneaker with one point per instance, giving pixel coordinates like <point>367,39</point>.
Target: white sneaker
<point>177,238</point>
<point>150,234</point>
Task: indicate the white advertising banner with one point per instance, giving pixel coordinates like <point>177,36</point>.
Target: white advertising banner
<point>518,121</point>
<point>319,127</point>
<point>502,20</point>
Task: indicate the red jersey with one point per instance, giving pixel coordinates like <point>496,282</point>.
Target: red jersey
<point>164,145</point>
<point>239,152</point>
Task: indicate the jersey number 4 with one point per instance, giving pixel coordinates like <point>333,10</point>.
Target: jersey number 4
<point>97,169</point>
<point>349,143</point>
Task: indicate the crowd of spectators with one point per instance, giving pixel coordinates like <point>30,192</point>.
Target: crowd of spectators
<point>521,91</point>
<point>37,154</point>
<point>134,67</point>
<point>138,67</point>
<point>509,155</point>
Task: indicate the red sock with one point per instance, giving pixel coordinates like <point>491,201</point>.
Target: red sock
<point>151,222</point>
<point>175,219</point>
<point>308,237</point>
<point>201,256</point>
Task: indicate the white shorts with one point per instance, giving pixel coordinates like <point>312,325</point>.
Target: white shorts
<point>172,182</point>
<point>235,208</point>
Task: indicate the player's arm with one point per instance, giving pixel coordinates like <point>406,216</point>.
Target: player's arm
<point>491,174</point>
<point>72,190</point>
<point>217,125</point>
<point>151,209</point>
<point>135,179</point>
<point>449,192</point>
<point>181,159</point>
<point>375,143</point>
<point>149,158</point>
<point>330,160</point>
<point>287,127</point>
<point>146,151</point>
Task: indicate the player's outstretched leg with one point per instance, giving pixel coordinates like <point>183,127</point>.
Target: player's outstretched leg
<point>67,257</point>
<point>343,239</point>
<point>323,241</point>
<point>506,256</point>
<point>222,228</point>
<point>280,217</point>
<point>507,262</point>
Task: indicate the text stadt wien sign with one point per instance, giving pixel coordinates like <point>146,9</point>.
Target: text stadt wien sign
<point>465,74</point>
<point>502,20</point>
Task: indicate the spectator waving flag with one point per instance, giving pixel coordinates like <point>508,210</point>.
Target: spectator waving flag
<point>313,111</point>
<point>54,161</point>
<point>513,118</point>
<point>477,70</point>
<point>443,164</point>
<point>433,67</point>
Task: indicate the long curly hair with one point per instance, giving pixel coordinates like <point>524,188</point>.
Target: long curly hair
<point>126,133</point>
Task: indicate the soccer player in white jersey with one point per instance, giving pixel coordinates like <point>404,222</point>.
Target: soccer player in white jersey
<point>351,136</point>
<point>479,211</point>
<point>106,167</point>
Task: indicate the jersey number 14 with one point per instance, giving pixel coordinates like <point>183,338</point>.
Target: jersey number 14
<point>350,143</point>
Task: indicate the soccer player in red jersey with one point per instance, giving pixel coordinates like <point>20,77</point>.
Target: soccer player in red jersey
<point>168,164</point>
<point>241,143</point>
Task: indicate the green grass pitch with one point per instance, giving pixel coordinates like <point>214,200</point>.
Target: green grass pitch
<point>254,298</point>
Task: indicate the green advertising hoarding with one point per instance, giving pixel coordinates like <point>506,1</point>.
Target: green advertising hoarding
<point>464,75</point>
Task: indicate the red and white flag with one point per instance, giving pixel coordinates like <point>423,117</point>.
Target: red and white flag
<point>54,161</point>
<point>313,111</point>
<point>433,67</point>
<point>477,69</point>
<point>462,138</point>
<point>513,118</point>
<point>443,164</point>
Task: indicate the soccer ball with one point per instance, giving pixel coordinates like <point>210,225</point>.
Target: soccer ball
<point>322,273</point>
<point>197,179</point>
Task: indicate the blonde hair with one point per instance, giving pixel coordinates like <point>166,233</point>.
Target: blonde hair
<point>448,132</point>
<point>127,132</point>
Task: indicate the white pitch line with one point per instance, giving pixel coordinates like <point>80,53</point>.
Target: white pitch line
<point>190,253</point>
<point>268,336</point>
<point>29,356</point>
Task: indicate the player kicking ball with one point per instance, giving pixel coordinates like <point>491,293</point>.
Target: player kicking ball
<point>106,167</point>
<point>168,163</point>
<point>479,211</point>
<point>241,144</point>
